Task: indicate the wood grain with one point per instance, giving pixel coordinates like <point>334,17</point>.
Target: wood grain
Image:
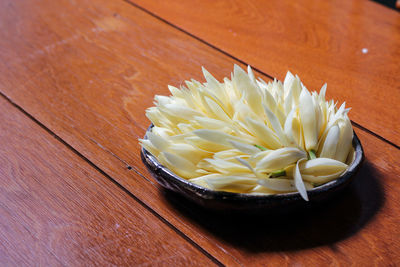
<point>354,46</point>
<point>89,78</point>
<point>57,210</point>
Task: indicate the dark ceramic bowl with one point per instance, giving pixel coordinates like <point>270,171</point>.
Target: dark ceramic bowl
<point>227,201</point>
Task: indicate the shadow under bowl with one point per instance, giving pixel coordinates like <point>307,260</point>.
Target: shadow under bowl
<point>240,202</point>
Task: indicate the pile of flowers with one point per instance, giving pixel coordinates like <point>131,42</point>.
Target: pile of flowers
<point>245,135</point>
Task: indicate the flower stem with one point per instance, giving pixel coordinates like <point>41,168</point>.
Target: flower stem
<point>261,147</point>
<point>311,154</point>
<point>278,173</point>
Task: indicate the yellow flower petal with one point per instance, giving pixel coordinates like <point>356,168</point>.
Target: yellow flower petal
<point>180,165</point>
<point>280,158</point>
<point>345,139</point>
<point>267,137</point>
<point>329,146</point>
<point>308,120</point>
<point>322,166</point>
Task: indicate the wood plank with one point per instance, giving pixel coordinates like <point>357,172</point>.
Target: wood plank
<point>57,210</point>
<point>18,247</point>
<point>351,45</point>
<point>89,78</point>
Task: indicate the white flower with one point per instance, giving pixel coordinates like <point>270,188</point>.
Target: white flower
<point>248,136</point>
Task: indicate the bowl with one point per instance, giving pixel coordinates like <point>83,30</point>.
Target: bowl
<point>237,202</point>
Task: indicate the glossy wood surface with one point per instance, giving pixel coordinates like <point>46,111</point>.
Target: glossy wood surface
<point>88,78</point>
<point>58,210</point>
<point>354,46</point>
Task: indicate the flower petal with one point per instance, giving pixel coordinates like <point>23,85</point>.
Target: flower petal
<point>245,148</point>
<point>280,158</point>
<point>328,149</point>
<point>180,165</point>
<point>209,123</point>
<point>262,190</point>
<point>227,167</point>
<point>246,164</point>
<point>250,89</point>
<point>321,179</point>
<point>262,132</point>
<point>308,120</point>
<point>214,85</point>
<point>215,109</point>
<point>276,125</point>
<point>146,144</point>
<point>216,136</point>
<point>188,152</point>
<point>281,185</point>
<point>322,166</point>
<point>298,181</point>
<point>231,183</point>
<point>251,74</point>
<point>160,143</point>
<point>204,144</point>
<point>345,139</point>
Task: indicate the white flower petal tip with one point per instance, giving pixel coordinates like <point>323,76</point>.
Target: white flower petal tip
<point>246,135</point>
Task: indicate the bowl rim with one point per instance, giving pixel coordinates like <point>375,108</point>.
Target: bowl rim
<point>206,193</point>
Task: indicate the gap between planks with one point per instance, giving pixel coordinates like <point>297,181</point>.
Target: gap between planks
<point>242,62</point>
<point>162,219</point>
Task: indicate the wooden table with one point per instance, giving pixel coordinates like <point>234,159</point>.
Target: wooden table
<point>77,76</point>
